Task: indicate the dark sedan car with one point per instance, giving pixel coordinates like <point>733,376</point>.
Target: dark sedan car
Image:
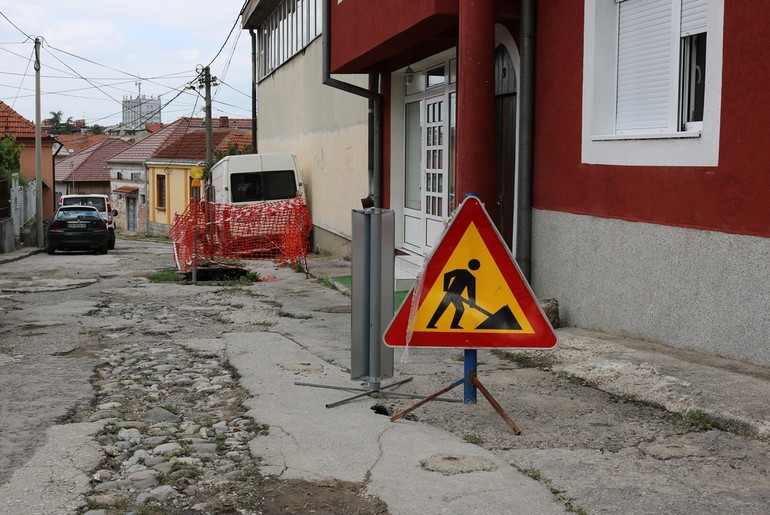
<point>77,228</point>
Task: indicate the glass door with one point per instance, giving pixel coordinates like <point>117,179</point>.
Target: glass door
<point>435,170</point>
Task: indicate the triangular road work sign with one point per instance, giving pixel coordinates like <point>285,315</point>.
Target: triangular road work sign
<point>471,294</point>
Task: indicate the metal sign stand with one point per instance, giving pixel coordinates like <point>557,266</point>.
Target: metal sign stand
<point>372,267</point>
<point>506,327</point>
<point>471,382</point>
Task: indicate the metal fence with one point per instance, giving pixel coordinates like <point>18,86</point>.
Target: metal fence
<point>5,199</point>
<point>23,204</point>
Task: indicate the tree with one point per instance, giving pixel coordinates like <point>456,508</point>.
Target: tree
<point>232,150</point>
<point>10,153</point>
<point>55,125</point>
<point>97,129</point>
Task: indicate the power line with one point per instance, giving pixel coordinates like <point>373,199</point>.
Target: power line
<point>17,28</point>
<point>105,85</point>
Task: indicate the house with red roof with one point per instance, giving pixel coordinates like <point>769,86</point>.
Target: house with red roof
<point>168,170</point>
<point>13,124</point>
<point>71,144</point>
<point>619,146</point>
<point>87,172</point>
<point>128,174</point>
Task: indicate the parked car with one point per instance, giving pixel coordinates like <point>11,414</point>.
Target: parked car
<point>101,203</point>
<point>77,228</point>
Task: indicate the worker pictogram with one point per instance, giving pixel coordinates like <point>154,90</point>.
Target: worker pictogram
<point>471,294</point>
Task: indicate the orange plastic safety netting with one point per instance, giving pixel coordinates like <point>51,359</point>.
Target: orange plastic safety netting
<point>274,230</point>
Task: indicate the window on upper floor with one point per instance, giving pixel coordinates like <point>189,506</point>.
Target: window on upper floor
<point>289,29</point>
<point>660,65</point>
<point>645,73</point>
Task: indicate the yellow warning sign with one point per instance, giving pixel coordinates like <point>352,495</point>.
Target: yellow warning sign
<point>470,294</point>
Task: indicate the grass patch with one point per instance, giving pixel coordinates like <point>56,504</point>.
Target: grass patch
<point>474,439</point>
<point>699,419</point>
<point>166,275</point>
<point>559,494</point>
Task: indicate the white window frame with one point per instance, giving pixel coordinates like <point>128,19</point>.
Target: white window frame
<point>602,143</point>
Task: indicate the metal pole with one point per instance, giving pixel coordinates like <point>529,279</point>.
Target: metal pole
<point>38,151</point>
<point>209,131</point>
<point>375,289</point>
<point>194,211</point>
<point>526,139</point>
<point>470,365</point>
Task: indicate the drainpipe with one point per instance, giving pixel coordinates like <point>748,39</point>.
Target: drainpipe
<point>526,124</point>
<point>375,109</point>
<point>253,91</point>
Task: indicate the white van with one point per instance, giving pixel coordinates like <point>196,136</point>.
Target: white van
<point>101,203</point>
<point>254,178</point>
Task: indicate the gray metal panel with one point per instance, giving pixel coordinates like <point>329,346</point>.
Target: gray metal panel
<point>373,260</point>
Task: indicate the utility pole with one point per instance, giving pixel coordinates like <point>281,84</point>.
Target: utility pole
<point>209,131</point>
<point>205,81</point>
<point>38,151</point>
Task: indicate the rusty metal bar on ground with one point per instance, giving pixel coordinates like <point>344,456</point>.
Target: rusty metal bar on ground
<point>426,400</point>
<point>499,409</point>
<point>368,392</point>
<point>473,378</point>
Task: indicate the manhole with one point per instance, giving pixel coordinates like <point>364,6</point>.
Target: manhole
<point>450,464</point>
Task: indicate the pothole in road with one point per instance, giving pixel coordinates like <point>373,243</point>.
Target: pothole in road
<point>218,274</point>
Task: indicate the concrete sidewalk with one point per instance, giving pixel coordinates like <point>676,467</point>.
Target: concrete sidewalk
<point>17,254</point>
<point>416,468</point>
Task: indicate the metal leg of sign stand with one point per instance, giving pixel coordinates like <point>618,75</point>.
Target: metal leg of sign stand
<point>373,389</point>
<point>471,382</point>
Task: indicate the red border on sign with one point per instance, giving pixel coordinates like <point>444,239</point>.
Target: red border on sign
<point>472,211</point>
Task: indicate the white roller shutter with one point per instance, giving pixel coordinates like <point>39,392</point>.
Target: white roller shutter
<point>644,64</point>
<point>694,16</point>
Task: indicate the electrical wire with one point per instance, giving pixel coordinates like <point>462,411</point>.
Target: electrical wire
<point>16,27</point>
<point>99,83</point>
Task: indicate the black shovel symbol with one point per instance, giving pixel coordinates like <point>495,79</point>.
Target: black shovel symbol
<point>502,319</point>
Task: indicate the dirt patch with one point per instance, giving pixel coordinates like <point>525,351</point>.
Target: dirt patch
<point>292,496</point>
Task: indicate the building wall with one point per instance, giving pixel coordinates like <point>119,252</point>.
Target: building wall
<point>327,130</point>
<point>693,289</point>
<point>28,171</point>
<point>119,200</point>
<point>177,196</point>
<point>675,254</point>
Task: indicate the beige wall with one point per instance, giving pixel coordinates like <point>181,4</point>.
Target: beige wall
<point>327,130</point>
<point>177,192</point>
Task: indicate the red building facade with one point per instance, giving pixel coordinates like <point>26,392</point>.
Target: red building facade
<point>649,182</point>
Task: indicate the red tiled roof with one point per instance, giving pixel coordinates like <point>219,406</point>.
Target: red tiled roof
<point>144,149</point>
<point>192,145</point>
<point>153,127</point>
<point>78,142</point>
<point>223,122</point>
<point>14,124</point>
<point>90,165</point>
<point>126,189</point>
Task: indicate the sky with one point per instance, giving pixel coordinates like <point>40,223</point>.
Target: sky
<point>95,53</point>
